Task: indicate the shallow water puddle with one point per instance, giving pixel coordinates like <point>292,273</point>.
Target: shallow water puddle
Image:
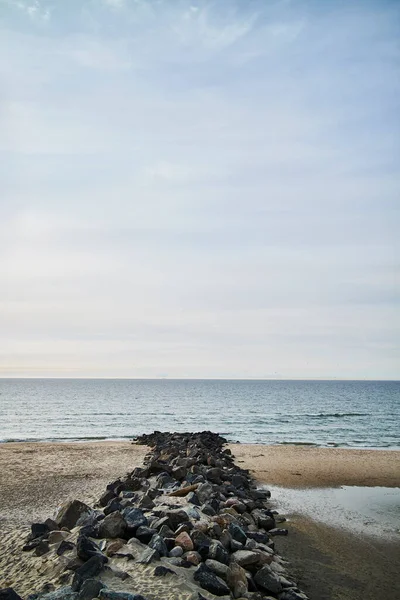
<point>368,510</point>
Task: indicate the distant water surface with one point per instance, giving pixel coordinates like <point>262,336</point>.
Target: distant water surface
<point>358,414</point>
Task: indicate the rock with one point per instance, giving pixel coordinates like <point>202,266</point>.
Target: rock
<point>193,498</point>
<point>112,506</point>
<point>183,540</point>
<point>70,512</point>
<point>146,502</point>
<point>162,571</point>
<point>166,531</point>
<point>9,594</point>
<point>268,580</point>
<point>88,570</point>
<point>263,519</point>
<point>204,492</point>
<point>38,530</point>
<point>216,551</point>
<point>64,593</point>
<point>237,533</point>
<point>64,546</point>
<point>184,491</point>
<point>176,552</point>
<point>237,580</point>
<point>209,581</point>
<point>179,473</point>
<point>258,536</point>
<point>144,534</point>
<point>114,546</point>
<point>218,568</point>
<point>113,526</point>
<point>106,497</point>
<point>86,548</point>
<point>192,557</point>
<point>239,481</point>
<point>245,558</point>
<point>158,544</point>
<point>214,475</point>
<point>105,594</point>
<point>207,509</point>
<point>278,532</point>
<point>148,555</point>
<point>90,589</point>
<point>134,519</point>
<point>55,537</point>
<point>42,548</point>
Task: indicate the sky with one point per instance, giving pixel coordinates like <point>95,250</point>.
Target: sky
<point>200,189</point>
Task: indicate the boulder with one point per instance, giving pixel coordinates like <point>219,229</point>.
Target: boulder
<point>209,581</point>
<point>88,570</point>
<point>113,526</point>
<point>244,558</point>
<point>90,589</point>
<point>70,512</point>
<point>86,548</point>
<point>204,492</point>
<point>237,580</point>
<point>218,568</point>
<point>134,519</point>
<point>268,580</point>
<point>183,540</point>
<point>176,552</point>
<point>157,543</point>
<point>144,534</point>
<point>192,557</point>
<point>237,533</point>
<point>9,594</point>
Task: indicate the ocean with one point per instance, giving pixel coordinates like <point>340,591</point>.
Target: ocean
<point>357,414</point>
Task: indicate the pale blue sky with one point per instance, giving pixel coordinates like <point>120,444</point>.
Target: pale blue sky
<point>199,189</point>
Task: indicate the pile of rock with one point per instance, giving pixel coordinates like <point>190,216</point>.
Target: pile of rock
<point>189,509</point>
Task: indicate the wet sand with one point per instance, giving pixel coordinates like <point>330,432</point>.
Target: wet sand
<point>309,466</point>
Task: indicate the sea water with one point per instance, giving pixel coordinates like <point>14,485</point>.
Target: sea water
<point>357,414</point>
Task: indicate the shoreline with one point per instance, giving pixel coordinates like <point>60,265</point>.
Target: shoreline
<point>330,562</point>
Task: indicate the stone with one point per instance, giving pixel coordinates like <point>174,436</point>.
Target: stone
<point>134,519</point>
<point>193,499</point>
<point>55,537</point>
<point>64,593</point>
<point>268,580</point>
<point>245,558</point>
<point>183,540</point>
<point>114,546</point>
<point>38,530</point>
<point>106,497</point>
<point>207,509</point>
<point>88,570</point>
<point>148,555</point>
<point>90,589</point>
<point>184,491</point>
<point>70,512</point>
<point>219,568</point>
<point>237,533</point>
<point>144,534</point>
<point>105,594</point>
<point>204,492</point>
<point>276,531</point>
<point>237,580</point>
<point>258,536</point>
<point>64,546</point>
<point>42,548</point>
<point>112,506</point>
<point>166,531</point>
<point>158,544</point>
<point>239,481</point>
<point>209,581</point>
<point>86,548</point>
<point>146,502</point>
<point>176,552</point>
<point>113,526</point>
<point>216,551</point>
<point>192,557</point>
<point>9,594</point>
<point>162,571</point>
<point>179,473</point>
<point>263,519</point>
<point>214,475</point>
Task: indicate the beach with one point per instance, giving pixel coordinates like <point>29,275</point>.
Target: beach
<point>330,563</point>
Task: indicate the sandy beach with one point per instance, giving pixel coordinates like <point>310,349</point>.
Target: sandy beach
<point>35,478</point>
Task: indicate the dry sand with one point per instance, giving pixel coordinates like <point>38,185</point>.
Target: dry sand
<point>309,466</point>
<point>37,477</point>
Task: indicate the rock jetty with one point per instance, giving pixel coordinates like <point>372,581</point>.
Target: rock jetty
<point>189,515</point>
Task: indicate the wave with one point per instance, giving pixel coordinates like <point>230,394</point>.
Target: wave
<point>337,415</point>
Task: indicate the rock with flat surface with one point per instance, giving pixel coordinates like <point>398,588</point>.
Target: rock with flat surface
<point>209,581</point>
<point>268,580</point>
<point>70,512</point>
<point>113,526</point>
